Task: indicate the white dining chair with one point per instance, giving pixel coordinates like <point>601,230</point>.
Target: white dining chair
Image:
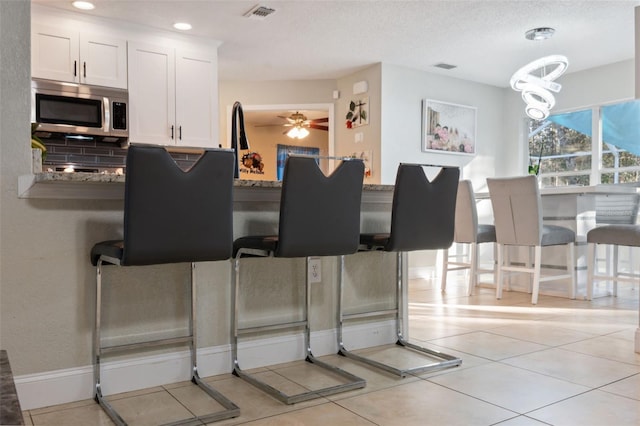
<point>616,209</point>
<point>517,211</point>
<point>627,235</point>
<point>467,232</point>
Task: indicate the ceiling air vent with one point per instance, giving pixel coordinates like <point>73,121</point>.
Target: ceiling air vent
<point>445,66</point>
<point>259,12</point>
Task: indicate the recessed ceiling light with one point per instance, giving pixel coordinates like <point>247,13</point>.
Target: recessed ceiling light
<point>541,33</point>
<point>182,26</point>
<point>84,5</point>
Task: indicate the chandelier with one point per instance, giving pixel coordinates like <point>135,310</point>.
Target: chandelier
<point>536,84</point>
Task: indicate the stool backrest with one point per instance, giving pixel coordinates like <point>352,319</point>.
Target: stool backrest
<point>517,210</point>
<point>171,215</point>
<point>423,212</point>
<point>466,225</point>
<point>617,209</point>
<point>319,215</point>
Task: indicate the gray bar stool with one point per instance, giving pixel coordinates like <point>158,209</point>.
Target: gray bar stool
<point>319,216</point>
<point>422,218</point>
<point>468,231</point>
<point>170,216</point>
<point>615,235</point>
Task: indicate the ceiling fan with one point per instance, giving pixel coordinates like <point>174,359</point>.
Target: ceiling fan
<point>299,124</point>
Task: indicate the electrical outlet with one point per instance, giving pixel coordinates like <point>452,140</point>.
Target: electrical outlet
<point>314,271</point>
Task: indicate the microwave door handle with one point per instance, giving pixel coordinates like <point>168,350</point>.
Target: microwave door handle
<point>107,115</point>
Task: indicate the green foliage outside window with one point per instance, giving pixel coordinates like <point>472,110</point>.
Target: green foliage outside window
<point>564,156</point>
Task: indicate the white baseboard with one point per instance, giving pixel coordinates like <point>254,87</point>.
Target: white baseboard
<point>76,384</point>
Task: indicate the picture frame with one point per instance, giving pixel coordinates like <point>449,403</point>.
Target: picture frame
<point>448,128</point>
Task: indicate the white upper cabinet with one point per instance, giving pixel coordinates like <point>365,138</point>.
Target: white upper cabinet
<point>196,99</point>
<point>67,55</point>
<point>173,96</point>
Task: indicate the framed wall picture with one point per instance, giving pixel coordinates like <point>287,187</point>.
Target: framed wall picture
<point>449,128</point>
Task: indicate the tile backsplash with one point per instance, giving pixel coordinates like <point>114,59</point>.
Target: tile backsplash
<point>94,155</point>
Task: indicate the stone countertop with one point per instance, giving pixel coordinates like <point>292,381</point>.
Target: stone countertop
<point>60,185</point>
<point>10,412</point>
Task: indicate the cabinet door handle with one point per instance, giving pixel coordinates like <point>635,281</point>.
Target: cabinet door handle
<point>171,131</point>
<point>180,132</point>
<point>84,69</point>
<point>75,68</point>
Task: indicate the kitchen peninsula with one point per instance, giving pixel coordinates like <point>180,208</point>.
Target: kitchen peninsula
<point>277,283</point>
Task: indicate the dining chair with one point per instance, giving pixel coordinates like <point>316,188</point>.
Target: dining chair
<point>616,209</point>
<point>422,218</point>
<point>467,231</point>
<point>319,216</point>
<point>170,216</point>
<point>517,211</point>
<point>627,235</point>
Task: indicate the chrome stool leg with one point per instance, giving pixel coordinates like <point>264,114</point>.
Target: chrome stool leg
<point>351,381</point>
<point>229,408</point>
<point>442,360</point>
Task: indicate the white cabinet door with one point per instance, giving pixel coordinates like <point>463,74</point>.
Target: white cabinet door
<point>196,99</point>
<point>64,55</point>
<point>103,61</point>
<point>151,94</point>
<point>54,54</point>
<point>173,97</point>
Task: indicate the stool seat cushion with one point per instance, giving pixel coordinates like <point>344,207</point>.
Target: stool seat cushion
<point>553,235</point>
<point>111,248</point>
<point>486,233</point>
<point>622,235</point>
<point>374,241</point>
<point>256,242</point>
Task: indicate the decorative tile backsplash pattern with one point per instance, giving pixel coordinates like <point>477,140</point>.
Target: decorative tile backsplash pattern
<point>93,155</point>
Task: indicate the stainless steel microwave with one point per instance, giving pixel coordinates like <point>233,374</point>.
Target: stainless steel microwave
<point>70,109</point>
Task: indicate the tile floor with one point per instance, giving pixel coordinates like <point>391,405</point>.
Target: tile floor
<point>561,362</point>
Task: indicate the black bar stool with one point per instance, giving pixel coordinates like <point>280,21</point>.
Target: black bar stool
<point>319,216</point>
<point>170,216</point>
<point>422,218</point>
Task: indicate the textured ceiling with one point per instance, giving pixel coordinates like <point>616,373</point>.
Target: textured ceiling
<point>317,39</point>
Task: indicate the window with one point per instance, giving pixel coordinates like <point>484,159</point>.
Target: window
<point>563,151</point>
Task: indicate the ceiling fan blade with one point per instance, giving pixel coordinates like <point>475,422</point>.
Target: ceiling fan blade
<point>318,127</point>
<point>319,120</point>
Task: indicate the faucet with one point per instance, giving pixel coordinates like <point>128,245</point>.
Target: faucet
<point>238,143</point>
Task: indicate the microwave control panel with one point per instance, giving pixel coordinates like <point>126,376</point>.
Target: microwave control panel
<point>119,114</point>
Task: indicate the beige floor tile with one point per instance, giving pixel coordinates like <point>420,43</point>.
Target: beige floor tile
<point>78,416</point>
<point>509,387</point>
<point>254,404</point>
<point>607,347</point>
<point>151,409</point>
<point>76,404</point>
<point>595,408</point>
<point>488,345</point>
<point>629,387</point>
<point>320,415</point>
<point>398,357</point>
<point>423,403</point>
<point>27,418</point>
<point>522,421</point>
<point>196,400</point>
<point>376,378</point>
<point>532,331</point>
<point>574,367</point>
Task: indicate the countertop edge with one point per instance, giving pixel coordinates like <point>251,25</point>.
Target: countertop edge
<point>95,186</point>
